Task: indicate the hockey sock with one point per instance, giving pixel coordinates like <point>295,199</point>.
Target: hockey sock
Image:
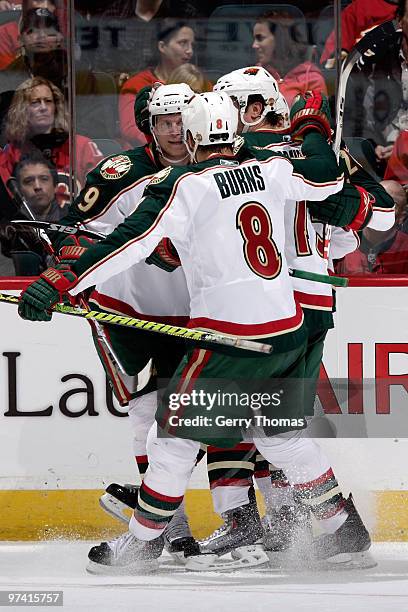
<point>325,499</point>
<point>142,464</point>
<point>309,473</point>
<point>273,485</point>
<point>141,417</point>
<point>171,461</point>
<point>230,475</point>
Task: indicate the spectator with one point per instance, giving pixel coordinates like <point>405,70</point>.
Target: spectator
<point>37,119</point>
<point>397,166</point>
<point>175,47</point>
<point>37,181</point>
<point>377,98</point>
<point>381,252</point>
<point>356,19</point>
<point>284,57</point>
<point>10,35</point>
<point>190,74</point>
<point>42,51</point>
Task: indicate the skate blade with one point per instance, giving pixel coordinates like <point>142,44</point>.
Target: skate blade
<point>179,557</point>
<point>240,552</point>
<point>138,567</point>
<point>288,560</point>
<point>348,561</point>
<point>115,508</point>
<point>244,557</point>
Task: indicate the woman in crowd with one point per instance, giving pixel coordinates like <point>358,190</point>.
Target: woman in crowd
<point>175,47</point>
<point>37,119</point>
<point>285,58</point>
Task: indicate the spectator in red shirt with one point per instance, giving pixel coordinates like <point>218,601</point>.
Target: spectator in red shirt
<point>37,119</point>
<point>175,47</point>
<point>10,46</point>
<point>356,19</point>
<point>284,57</point>
<point>381,252</point>
<point>397,167</point>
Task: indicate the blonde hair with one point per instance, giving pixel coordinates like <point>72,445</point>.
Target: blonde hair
<point>189,74</point>
<point>17,129</point>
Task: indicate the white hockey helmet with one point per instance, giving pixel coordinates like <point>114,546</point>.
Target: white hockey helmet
<point>168,100</point>
<point>211,118</point>
<point>249,81</point>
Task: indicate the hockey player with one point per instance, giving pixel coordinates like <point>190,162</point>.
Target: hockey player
<point>134,360</point>
<point>262,110</point>
<point>238,198</point>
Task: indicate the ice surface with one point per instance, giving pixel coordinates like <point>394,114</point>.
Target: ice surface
<point>61,565</point>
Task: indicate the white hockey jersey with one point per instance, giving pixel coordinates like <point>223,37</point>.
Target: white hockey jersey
<point>226,220</point>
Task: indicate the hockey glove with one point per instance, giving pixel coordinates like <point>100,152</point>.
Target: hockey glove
<point>141,109</point>
<point>310,112</point>
<point>71,250</point>
<point>351,208</point>
<point>39,297</point>
<point>165,256</point>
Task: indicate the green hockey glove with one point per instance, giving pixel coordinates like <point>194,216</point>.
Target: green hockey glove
<point>310,112</point>
<point>165,256</point>
<point>141,109</point>
<point>71,250</point>
<point>39,297</point>
<point>351,208</point>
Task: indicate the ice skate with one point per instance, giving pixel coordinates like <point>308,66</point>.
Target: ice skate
<point>178,540</point>
<point>242,527</point>
<point>287,535</point>
<point>348,547</point>
<point>240,535</point>
<point>125,555</point>
<point>118,498</point>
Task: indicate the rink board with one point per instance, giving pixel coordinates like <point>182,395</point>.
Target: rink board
<point>63,438</point>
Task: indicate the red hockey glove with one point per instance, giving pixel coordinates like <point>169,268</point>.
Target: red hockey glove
<point>165,256</point>
<point>310,112</point>
<point>39,297</point>
<point>71,250</point>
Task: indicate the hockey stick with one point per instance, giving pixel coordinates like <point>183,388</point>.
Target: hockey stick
<point>373,44</point>
<point>336,281</point>
<point>194,335</point>
<point>57,227</point>
<point>71,231</point>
